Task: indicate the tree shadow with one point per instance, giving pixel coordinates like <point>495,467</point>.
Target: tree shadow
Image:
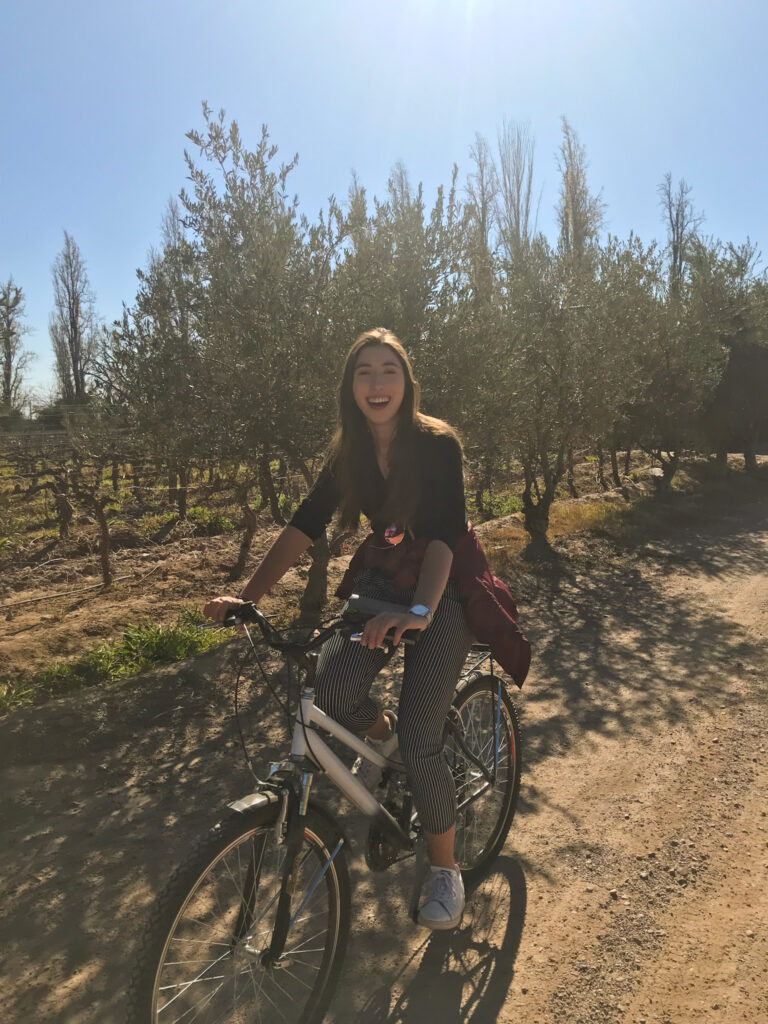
<point>461,975</point>
<point>103,793</point>
<point>612,655</point>
<point>539,551</point>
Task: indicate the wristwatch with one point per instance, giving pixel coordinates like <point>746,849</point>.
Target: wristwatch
<point>422,611</point>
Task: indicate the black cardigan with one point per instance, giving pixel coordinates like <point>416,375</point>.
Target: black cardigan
<point>440,512</point>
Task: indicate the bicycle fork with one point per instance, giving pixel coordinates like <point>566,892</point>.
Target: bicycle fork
<point>295,815</point>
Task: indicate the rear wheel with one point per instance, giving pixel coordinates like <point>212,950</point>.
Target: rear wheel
<point>202,954</point>
<point>483,750</point>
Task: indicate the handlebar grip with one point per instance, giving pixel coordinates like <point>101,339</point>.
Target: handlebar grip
<point>241,614</point>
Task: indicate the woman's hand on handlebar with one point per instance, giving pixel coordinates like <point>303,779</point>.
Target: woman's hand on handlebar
<point>377,628</point>
<point>218,608</point>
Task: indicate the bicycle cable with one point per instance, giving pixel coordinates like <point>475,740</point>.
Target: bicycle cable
<point>252,652</point>
<point>284,705</point>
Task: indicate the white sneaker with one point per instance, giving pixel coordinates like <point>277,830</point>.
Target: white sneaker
<point>442,899</point>
<point>368,772</point>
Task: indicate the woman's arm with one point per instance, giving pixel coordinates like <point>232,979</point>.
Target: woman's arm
<point>284,553</point>
<point>434,573</point>
<point>310,519</point>
<point>432,579</point>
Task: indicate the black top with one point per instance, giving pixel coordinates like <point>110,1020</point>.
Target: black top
<point>440,514</point>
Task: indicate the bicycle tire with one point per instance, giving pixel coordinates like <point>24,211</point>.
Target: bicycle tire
<point>200,953</point>
<point>482,827</point>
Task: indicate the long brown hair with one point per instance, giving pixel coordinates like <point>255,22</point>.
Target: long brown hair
<point>352,450</point>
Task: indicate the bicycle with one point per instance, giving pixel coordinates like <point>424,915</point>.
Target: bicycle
<point>254,925</point>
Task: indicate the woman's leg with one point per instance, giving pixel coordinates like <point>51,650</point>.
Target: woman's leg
<point>345,674</point>
<point>346,670</point>
<point>432,668</point>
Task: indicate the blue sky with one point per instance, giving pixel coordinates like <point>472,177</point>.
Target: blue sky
<point>97,97</point>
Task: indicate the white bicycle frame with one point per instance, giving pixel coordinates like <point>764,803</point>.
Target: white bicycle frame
<point>313,746</point>
<point>317,750</point>
<point>308,746</point>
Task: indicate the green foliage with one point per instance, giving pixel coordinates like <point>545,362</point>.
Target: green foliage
<point>286,506</point>
<point>139,648</point>
<point>153,522</point>
<point>209,522</point>
<point>531,347</point>
<point>503,503</point>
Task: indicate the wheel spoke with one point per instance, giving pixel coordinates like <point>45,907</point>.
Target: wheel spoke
<point>212,970</point>
<point>484,808</point>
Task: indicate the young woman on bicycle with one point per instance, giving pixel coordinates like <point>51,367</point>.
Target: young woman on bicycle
<point>403,470</point>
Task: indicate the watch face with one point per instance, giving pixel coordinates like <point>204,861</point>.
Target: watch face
<point>419,609</point>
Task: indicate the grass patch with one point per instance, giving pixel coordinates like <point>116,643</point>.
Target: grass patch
<point>139,648</point>
<point>580,517</point>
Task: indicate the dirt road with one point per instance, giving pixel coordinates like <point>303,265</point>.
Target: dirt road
<point>634,885</point>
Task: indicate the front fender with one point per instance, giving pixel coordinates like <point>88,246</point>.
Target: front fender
<point>268,797</point>
<point>261,798</point>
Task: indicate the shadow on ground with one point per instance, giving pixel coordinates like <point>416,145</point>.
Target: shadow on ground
<point>462,975</point>
<point>102,793</point>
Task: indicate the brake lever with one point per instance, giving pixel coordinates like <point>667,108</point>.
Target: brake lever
<point>358,638</point>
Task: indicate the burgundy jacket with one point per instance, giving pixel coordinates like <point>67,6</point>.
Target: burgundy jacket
<point>488,604</point>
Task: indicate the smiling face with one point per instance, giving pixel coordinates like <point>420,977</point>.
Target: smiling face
<point>378,384</point>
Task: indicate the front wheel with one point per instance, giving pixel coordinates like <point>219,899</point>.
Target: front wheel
<point>202,953</point>
<point>483,750</point>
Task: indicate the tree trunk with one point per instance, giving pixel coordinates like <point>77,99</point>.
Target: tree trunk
<point>268,492</point>
<point>750,459</point>
<point>115,475</point>
<point>627,461</point>
<point>536,518</point>
<point>172,486</point>
<point>316,591</point>
<point>536,513</point>
<point>569,476</point>
<point>182,491</point>
<point>251,522</point>
<point>303,468</point>
<point>600,469</point>
<point>722,457</point>
<point>76,473</point>
<point>668,470</point>
<point>479,503</point>
<point>105,541</point>
<point>64,513</point>
<point>615,466</point>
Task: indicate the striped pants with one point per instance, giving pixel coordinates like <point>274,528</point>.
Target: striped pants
<point>345,674</point>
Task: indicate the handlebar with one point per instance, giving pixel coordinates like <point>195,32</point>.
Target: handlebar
<point>353,615</point>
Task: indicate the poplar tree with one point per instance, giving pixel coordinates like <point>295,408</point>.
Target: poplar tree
<point>14,360</point>
<point>72,325</point>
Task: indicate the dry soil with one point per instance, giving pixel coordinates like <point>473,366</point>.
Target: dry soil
<point>632,887</point>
